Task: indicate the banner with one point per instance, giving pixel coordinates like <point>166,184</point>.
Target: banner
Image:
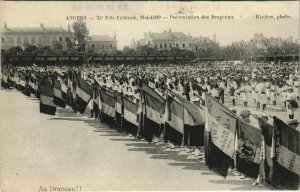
<point>177,116</point>
<point>130,111</point>
<point>108,103</point>
<point>46,98</point>
<point>174,125</point>
<point>193,115</point>
<point>153,110</point>
<point>119,111</point>
<point>84,93</point>
<point>266,163</point>
<point>64,89</point>
<point>5,75</point>
<point>33,87</point>
<point>222,123</point>
<point>58,98</point>
<point>249,147</point>
<point>22,82</point>
<point>287,165</point>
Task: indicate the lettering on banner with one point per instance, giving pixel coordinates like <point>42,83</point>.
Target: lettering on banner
<point>214,130</point>
<point>292,162</point>
<point>209,105</point>
<point>227,123</point>
<point>224,139</point>
<point>150,114</point>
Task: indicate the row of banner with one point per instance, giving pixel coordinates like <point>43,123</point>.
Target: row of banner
<point>269,152</point>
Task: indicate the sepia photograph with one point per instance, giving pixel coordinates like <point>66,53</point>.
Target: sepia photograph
<point>149,96</point>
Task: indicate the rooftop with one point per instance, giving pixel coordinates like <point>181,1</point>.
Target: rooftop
<point>40,29</point>
<point>101,38</point>
<point>169,35</point>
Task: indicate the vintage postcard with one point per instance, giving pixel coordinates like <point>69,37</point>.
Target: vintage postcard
<point>159,96</point>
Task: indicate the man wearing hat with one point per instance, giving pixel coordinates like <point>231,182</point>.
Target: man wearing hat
<point>290,96</point>
<point>273,93</point>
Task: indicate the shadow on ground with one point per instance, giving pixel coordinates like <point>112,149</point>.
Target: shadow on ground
<point>153,150</point>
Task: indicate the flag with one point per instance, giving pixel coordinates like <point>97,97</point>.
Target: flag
<point>4,83</point>
<point>174,125</point>
<point>64,90</point>
<point>248,150</point>
<point>131,118</point>
<point>287,164</point>
<point>119,111</point>
<point>266,160</point>
<point>33,87</point>
<point>16,80</point>
<point>108,102</point>
<point>84,93</point>
<point>154,108</point>
<point>194,122</point>
<point>57,93</point>
<point>46,98</point>
<point>221,126</point>
<point>22,82</point>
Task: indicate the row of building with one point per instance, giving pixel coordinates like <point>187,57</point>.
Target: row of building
<point>49,36</point>
<point>261,42</point>
<point>168,40</point>
<point>100,44</point>
<point>105,44</point>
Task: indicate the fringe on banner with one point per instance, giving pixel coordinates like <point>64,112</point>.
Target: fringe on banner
<point>215,159</point>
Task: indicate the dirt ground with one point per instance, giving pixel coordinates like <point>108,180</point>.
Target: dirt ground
<point>39,152</point>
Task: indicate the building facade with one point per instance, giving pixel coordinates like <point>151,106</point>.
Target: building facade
<point>101,44</point>
<point>204,43</point>
<point>166,40</point>
<point>37,36</point>
<point>262,42</point>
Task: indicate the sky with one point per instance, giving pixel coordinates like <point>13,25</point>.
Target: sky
<point>241,27</point>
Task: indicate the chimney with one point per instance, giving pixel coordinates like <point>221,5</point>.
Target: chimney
<point>5,25</point>
<point>42,26</point>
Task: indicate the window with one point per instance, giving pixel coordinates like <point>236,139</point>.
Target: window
<point>26,40</point>
<point>155,46</point>
<point>110,45</point>
<point>93,46</point>
<point>148,42</point>
<point>166,45</point>
<point>2,40</point>
<point>183,45</point>
<point>170,45</point>
<point>102,45</point>
<point>160,45</point>
<point>60,38</point>
<point>33,40</point>
<point>196,47</point>
<point>10,40</point>
<point>176,45</point>
<point>190,45</point>
<point>19,40</point>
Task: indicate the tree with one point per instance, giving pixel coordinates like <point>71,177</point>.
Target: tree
<point>44,50</point>
<point>31,49</point>
<point>128,51</point>
<point>15,51</point>
<point>80,33</point>
<point>70,44</point>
